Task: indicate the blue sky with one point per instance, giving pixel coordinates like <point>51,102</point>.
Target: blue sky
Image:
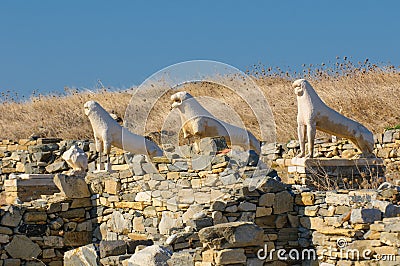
<point>47,45</point>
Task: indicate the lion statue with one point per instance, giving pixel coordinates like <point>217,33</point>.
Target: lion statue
<point>108,132</point>
<point>314,114</point>
<point>199,123</point>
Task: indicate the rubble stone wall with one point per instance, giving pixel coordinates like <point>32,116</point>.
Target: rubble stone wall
<point>387,147</point>
<point>202,213</point>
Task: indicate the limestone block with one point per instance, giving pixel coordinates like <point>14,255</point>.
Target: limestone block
<point>364,216</point>
<point>305,198</point>
<point>13,217</point>
<point>266,200</point>
<point>263,211</point>
<point>168,221</point>
<point>232,235</point>
<point>53,241</point>
<point>112,186</point>
<point>72,186</point>
<point>32,217</point>
<point>186,196</point>
<point>112,248</point>
<point>118,223</point>
<point>154,255</point>
<point>144,196</point>
<point>30,249</point>
<point>230,256</point>
<point>76,239</point>
<point>85,255</point>
<point>283,202</point>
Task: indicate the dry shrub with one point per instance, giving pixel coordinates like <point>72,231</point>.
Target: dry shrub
<point>364,92</point>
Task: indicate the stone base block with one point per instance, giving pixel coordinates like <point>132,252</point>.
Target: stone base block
<point>324,173</point>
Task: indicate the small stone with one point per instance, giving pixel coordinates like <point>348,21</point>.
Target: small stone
<point>12,218</point>
<point>30,249</point>
<point>143,196</point>
<point>364,216</point>
<point>391,239</point>
<point>247,206</point>
<point>72,186</point>
<point>33,217</point>
<point>201,223</point>
<point>75,239</point>
<point>150,256</point>
<point>218,206</point>
<point>112,186</point>
<point>283,202</point>
<point>186,196</point>
<point>266,199</point>
<point>85,255</point>
<point>230,256</point>
<point>218,217</point>
<point>112,248</point>
<point>234,234</point>
<point>263,211</point>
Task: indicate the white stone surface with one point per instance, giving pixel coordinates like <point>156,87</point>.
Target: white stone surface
<point>108,132</point>
<point>198,122</point>
<point>314,114</point>
<point>76,158</point>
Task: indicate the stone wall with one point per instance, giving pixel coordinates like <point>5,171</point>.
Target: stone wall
<point>387,147</point>
<point>205,214</point>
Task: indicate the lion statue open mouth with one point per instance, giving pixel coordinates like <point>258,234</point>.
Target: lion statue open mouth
<point>200,123</point>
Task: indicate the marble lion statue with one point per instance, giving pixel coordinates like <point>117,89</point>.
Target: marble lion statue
<point>314,114</point>
<point>108,132</point>
<point>199,123</point>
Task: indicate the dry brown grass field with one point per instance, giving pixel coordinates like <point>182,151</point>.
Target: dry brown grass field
<point>363,92</point>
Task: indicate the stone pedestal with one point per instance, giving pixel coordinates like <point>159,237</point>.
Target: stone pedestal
<point>327,174</point>
<point>27,187</point>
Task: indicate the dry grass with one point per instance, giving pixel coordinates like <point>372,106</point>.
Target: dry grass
<point>363,92</point>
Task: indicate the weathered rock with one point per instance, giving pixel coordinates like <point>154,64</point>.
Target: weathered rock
<point>33,229</point>
<point>266,199</point>
<point>13,217</point>
<point>265,184</point>
<point>112,248</point>
<point>132,244</point>
<point>150,256</point>
<point>53,241</point>
<point>118,223</point>
<point>230,256</point>
<point>391,239</point>
<point>143,196</point>
<point>33,217</point>
<point>76,158</point>
<point>72,186</point>
<point>201,223</point>
<point>363,216</point>
<point>283,202</point>
<point>82,256</point>
<point>234,234</point>
<point>21,247</point>
<point>76,239</point>
<point>247,206</point>
<point>112,186</point>
<point>56,167</point>
<point>218,206</point>
<point>114,260</point>
<point>168,221</point>
<point>181,259</point>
